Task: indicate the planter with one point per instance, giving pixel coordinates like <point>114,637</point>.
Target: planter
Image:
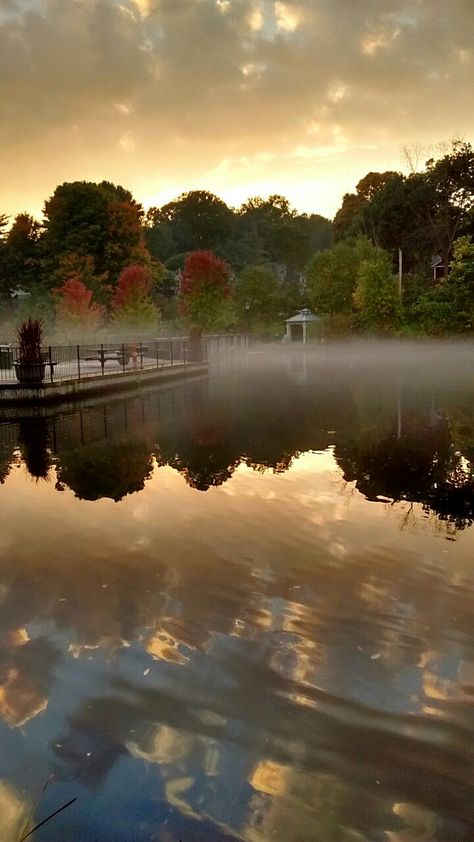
<point>30,374</point>
<point>6,357</point>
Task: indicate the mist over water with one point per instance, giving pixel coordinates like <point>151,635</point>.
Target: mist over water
<point>242,608</point>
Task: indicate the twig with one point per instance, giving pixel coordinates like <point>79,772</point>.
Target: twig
<point>51,816</point>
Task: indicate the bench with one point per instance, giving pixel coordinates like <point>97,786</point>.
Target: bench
<point>104,356</point>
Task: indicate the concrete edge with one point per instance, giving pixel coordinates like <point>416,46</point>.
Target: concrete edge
<point>72,390</point>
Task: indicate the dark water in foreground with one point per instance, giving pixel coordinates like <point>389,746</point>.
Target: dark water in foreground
<point>244,608</point>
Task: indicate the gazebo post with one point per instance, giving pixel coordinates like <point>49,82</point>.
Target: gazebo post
<point>304,333</point>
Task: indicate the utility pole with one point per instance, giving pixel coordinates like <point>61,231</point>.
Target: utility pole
<point>400,273</point>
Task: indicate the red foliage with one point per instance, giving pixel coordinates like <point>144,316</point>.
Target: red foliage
<point>134,285</point>
<point>203,270</point>
<point>74,301</point>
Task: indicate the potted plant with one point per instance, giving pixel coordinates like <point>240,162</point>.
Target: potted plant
<point>30,365</point>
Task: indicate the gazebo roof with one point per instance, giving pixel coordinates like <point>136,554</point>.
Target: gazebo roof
<point>302,317</point>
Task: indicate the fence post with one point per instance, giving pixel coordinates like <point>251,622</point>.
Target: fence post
<point>184,351</point>
<point>123,357</point>
<point>102,358</point>
<point>141,356</point>
<point>50,363</point>
<point>78,352</point>
<point>157,354</point>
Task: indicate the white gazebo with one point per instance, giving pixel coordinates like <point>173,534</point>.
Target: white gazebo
<point>303,318</point>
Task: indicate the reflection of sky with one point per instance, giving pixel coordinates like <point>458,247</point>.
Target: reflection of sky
<point>228,658</point>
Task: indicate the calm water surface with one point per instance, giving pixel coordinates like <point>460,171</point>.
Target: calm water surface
<point>242,608</point>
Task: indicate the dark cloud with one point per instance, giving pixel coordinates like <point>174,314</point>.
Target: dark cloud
<point>154,93</point>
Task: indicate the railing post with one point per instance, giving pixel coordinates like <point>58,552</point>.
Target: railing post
<point>123,357</point>
<point>184,352</point>
<point>141,356</point>
<point>171,352</point>
<point>157,354</point>
<point>102,358</point>
<point>78,352</point>
<point>50,363</point>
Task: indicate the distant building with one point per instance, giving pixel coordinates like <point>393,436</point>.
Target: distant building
<point>437,265</point>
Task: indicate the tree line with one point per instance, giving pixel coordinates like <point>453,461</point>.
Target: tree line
<point>427,218</point>
<point>73,262</point>
<point>97,258</point>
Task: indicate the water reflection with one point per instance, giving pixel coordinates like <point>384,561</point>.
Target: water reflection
<point>273,659</point>
<point>394,440</point>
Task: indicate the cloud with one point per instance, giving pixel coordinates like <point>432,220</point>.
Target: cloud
<point>151,93</point>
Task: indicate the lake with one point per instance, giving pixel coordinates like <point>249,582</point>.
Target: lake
<point>243,607</point>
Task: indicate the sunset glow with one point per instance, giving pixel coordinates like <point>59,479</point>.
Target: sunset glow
<point>240,97</point>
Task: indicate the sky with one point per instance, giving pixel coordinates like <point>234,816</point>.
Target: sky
<point>239,97</point>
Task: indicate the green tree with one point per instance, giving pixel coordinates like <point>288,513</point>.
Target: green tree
<point>196,220</point>
<point>22,251</point>
<point>101,221</point>
<point>376,295</point>
<point>449,306</point>
<point>282,234</point>
<point>450,180</point>
<point>331,276</point>
<point>352,218</point>
<point>257,297</point>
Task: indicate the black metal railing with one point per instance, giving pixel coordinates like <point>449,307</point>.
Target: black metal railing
<point>79,362</point>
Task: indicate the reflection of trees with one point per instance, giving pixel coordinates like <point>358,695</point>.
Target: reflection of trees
<point>33,439</point>
<point>254,421</point>
<point>388,440</point>
<point>109,468</point>
<point>421,466</point>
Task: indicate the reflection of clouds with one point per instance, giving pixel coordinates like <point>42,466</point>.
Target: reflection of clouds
<point>163,647</point>
<point>420,824</point>
<point>269,777</point>
<point>163,745</point>
<point>14,813</point>
<point>297,805</point>
<point>20,700</point>
<point>26,670</point>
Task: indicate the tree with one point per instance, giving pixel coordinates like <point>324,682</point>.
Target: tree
<point>131,304</point>
<point>125,242</point>
<point>376,296</point>
<point>112,469</point>
<point>75,310</point>
<point>81,267</point>
<point>101,221</point>
<point>196,220</point>
<point>257,296</point>
<point>450,181</point>
<point>205,292</point>
<point>22,254</point>
<point>449,306</point>
<point>352,219</point>
<point>331,276</point>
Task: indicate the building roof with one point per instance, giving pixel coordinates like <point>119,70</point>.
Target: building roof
<point>303,316</point>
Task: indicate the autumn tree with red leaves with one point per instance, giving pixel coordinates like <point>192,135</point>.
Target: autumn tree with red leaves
<point>132,306</point>
<point>75,309</point>
<point>205,293</point>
